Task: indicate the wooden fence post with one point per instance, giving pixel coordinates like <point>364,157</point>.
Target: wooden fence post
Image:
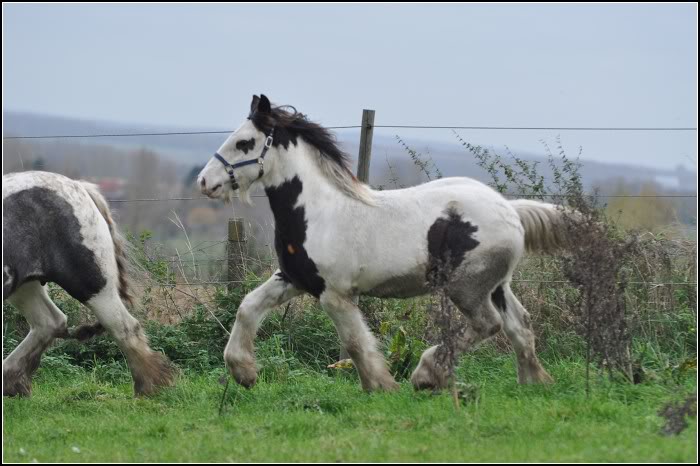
<point>365,154</point>
<point>235,251</point>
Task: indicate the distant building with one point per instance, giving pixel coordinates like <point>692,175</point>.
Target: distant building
<point>111,187</point>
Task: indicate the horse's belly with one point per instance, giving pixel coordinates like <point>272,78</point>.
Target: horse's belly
<point>399,287</point>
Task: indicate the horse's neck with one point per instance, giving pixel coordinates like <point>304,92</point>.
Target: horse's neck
<point>297,179</point>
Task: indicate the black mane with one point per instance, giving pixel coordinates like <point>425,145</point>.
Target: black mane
<point>290,125</point>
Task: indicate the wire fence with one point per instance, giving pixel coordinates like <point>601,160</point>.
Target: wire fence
<point>509,128</point>
<point>128,135</point>
<point>223,260</point>
<point>560,282</point>
<point>165,199</point>
<point>495,128</point>
<point>597,196</point>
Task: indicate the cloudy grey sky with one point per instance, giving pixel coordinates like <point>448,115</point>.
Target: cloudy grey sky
<point>511,65</point>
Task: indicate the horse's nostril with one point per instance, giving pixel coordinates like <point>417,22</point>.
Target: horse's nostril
<point>202,183</point>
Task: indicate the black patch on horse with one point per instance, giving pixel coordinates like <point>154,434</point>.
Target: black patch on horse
<point>281,276</point>
<point>499,298</point>
<point>42,241</point>
<point>448,240</point>
<point>290,234</point>
<point>246,145</point>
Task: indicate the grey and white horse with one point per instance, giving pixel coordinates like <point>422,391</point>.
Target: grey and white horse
<point>59,230</point>
<point>337,238</point>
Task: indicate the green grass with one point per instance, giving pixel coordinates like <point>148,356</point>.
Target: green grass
<point>82,417</point>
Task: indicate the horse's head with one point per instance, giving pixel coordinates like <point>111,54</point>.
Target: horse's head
<point>240,161</point>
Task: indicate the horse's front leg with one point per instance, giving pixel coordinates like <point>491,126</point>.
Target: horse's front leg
<point>239,353</point>
<point>358,341</point>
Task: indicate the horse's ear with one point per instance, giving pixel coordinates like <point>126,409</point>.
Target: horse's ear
<point>254,104</point>
<point>264,105</point>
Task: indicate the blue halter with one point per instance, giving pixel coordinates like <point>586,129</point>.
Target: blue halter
<point>229,168</point>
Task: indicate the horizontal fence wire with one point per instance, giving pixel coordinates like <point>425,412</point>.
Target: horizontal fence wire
<point>619,283</point>
<point>223,282</point>
<point>539,128</point>
<point>127,135</point>
<point>199,247</point>
<point>165,199</point>
<point>188,262</point>
<point>681,196</point>
<point>597,196</point>
<point>506,128</point>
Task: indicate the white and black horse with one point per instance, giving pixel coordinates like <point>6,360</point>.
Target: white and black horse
<point>336,238</point>
<point>59,230</point>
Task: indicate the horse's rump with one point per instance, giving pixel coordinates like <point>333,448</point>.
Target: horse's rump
<point>53,231</point>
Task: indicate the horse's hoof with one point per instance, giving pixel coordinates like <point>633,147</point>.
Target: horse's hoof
<point>156,371</point>
<point>246,381</point>
<point>243,373</point>
<point>16,385</point>
<point>539,376</point>
<point>385,385</point>
<point>425,378</point>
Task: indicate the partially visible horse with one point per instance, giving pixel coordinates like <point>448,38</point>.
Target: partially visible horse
<point>336,238</point>
<point>59,230</point>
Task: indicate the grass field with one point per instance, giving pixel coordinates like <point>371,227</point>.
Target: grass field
<point>83,417</point>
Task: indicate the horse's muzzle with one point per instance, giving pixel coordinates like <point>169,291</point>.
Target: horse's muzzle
<point>213,191</point>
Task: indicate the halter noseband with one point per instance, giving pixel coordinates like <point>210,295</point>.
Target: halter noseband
<point>229,168</point>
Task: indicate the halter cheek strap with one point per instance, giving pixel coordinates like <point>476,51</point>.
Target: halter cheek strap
<point>230,167</point>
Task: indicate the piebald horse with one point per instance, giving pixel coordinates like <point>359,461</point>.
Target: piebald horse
<point>337,238</point>
<point>59,230</point>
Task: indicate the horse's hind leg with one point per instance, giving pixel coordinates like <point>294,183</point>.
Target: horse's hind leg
<point>359,342</point>
<point>482,321</point>
<point>470,290</point>
<point>149,368</point>
<point>516,323</point>
<point>46,322</point>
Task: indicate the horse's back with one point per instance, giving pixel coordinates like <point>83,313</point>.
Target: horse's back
<point>52,232</point>
<point>472,199</point>
<point>438,192</point>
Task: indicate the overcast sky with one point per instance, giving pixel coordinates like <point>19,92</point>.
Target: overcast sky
<point>503,65</point>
